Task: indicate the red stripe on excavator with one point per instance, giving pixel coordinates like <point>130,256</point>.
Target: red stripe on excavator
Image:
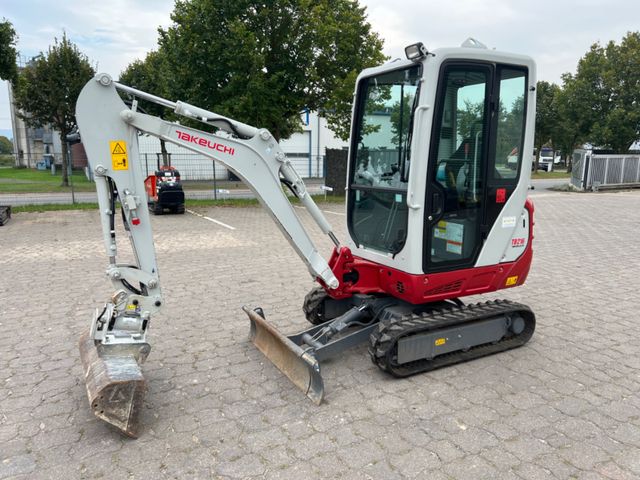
<point>367,277</point>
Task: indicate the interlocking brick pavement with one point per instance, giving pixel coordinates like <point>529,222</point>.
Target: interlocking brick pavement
<point>567,405</point>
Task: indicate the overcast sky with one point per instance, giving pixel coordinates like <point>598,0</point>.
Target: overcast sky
<point>556,33</point>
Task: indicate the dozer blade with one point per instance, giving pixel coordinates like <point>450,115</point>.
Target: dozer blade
<point>302,368</point>
<point>115,385</point>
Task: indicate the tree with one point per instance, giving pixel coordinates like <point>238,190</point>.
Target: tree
<point>573,121</point>
<point>603,97</point>
<point>150,75</point>
<point>6,146</point>
<point>546,115</point>
<point>8,53</point>
<point>264,62</point>
<point>400,119</point>
<point>345,44</point>
<point>469,117</point>
<point>48,87</point>
<point>509,129</point>
<point>621,125</point>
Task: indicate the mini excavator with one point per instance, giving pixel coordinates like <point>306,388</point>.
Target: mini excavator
<point>436,210</point>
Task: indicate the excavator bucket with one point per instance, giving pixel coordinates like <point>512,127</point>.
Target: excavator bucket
<point>115,385</point>
<point>302,368</point>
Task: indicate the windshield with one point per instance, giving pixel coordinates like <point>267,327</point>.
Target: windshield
<point>380,156</point>
<point>383,129</point>
<point>546,152</point>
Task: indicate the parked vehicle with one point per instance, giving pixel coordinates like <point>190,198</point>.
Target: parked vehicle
<point>164,191</point>
<point>548,158</point>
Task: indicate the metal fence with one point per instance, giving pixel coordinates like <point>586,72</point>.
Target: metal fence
<point>198,168</point>
<point>192,167</point>
<point>39,161</point>
<point>592,171</point>
<point>202,179</point>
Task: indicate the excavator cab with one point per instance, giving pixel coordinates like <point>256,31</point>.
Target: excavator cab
<point>436,207</point>
<point>436,210</point>
<point>429,162</point>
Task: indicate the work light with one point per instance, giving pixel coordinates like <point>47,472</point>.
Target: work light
<point>416,51</point>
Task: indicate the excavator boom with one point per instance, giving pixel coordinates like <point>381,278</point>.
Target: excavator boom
<point>116,344</point>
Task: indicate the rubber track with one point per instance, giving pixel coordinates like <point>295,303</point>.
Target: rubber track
<point>312,305</point>
<point>383,340</point>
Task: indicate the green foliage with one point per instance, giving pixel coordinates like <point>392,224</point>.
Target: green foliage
<point>546,112</point>
<point>621,125</point>
<point>53,207</point>
<point>509,127</point>
<point>377,98</point>
<point>601,102</point>
<point>6,145</point>
<point>573,121</point>
<point>8,53</point>
<point>150,75</point>
<point>547,117</point>
<point>28,180</point>
<point>469,118</point>
<point>48,87</point>
<point>509,132</point>
<point>345,44</point>
<point>263,63</point>
<point>401,119</point>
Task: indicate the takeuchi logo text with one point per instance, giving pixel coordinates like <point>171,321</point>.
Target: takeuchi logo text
<point>203,142</point>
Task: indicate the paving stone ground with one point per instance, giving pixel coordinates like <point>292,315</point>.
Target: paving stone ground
<point>567,405</point>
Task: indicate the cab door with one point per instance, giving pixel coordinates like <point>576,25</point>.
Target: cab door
<point>475,159</point>
<point>457,171</point>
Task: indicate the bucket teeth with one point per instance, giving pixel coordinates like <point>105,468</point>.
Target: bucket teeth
<point>300,366</point>
<point>115,385</point>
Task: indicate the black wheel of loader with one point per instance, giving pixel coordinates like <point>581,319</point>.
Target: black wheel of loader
<point>179,209</point>
<point>313,306</point>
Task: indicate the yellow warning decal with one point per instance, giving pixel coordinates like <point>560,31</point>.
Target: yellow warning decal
<point>511,281</point>
<point>440,341</point>
<point>119,157</point>
<point>131,307</point>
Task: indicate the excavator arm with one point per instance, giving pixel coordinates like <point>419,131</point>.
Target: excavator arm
<point>116,343</point>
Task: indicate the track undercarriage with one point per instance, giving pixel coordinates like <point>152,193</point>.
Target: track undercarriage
<point>403,339</point>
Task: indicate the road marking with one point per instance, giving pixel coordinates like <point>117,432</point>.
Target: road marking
<point>222,224</point>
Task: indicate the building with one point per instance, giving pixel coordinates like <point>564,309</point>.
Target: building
<point>33,147</point>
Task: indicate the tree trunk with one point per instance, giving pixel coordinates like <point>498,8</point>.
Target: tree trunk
<point>65,162</point>
<point>165,154</point>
